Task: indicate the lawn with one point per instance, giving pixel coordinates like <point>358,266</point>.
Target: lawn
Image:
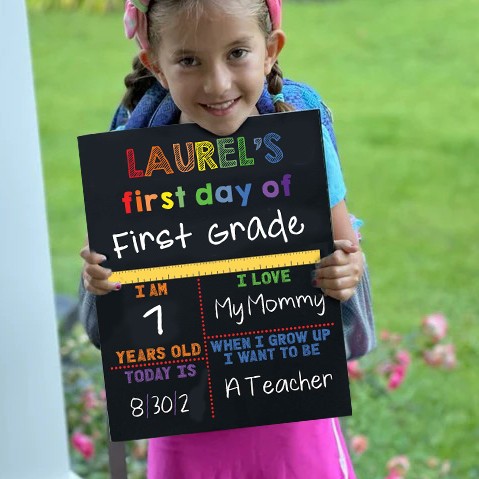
<point>401,80</point>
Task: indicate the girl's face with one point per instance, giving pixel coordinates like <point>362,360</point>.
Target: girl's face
<point>215,68</point>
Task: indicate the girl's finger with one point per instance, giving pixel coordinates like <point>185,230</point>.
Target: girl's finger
<point>337,284</point>
<point>338,258</point>
<point>333,271</point>
<point>100,287</point>
<point>91,257</point>
<point>104,286</point>
<point>96,271</point>
<point>342,295</point>
<point>346,245</point>
<point>95,291</point>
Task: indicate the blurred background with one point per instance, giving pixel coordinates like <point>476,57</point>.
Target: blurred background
<point>401,78</point>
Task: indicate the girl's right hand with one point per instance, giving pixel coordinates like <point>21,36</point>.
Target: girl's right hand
<point>95,277</point>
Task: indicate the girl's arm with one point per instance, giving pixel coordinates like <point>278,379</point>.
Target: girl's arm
<point>342,228</point>
<point>339,273</point>
<point>344,275</point>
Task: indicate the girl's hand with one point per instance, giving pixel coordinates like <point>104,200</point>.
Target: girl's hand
<point>95,277</point>
<point>338,274</point>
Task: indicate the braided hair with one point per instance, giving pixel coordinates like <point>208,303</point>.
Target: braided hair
<point>137,83</point>
<point>275,87</point>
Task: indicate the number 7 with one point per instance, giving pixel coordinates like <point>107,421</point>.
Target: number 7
<point>160,317</point>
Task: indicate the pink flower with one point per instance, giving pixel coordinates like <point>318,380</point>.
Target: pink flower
<point>103,395</point>
<point>449,358</point>
<point>83,444</point>
<point>397,376</point>
<point>403,357</point>
<point>384,335</point>
<point>398,465</point>
<point>432,356</point>
<point>394,475</point>
<point>441,355</point>
<point>354,370</point>
<point>90,400</point>
<point>359,444</point>
<point>435,326</point>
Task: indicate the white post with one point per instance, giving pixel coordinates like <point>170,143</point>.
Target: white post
<point>33,440</point>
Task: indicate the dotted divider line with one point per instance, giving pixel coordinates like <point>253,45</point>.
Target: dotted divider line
<point>155,363</point>
<point>275,330</point>
<point>205,345</point>
<point>216,336</point>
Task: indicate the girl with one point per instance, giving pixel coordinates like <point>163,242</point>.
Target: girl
<point>214,62</point>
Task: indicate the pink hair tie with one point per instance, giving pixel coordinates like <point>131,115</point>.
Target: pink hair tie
<point>135,21</point>
<point>136,24</point>
<point>274,7</point>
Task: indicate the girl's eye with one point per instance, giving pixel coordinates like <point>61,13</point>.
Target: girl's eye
<point>188,62</point>
<point>238,53</point>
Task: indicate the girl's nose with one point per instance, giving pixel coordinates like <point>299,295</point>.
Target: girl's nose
<point>217,80</point>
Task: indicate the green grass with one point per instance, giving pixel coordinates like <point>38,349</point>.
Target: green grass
<point>401,79</point>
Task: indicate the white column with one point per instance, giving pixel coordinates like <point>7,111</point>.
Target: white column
<point>33,440</point>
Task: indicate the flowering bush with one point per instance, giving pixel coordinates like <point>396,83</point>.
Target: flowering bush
<point>379,374</point>
<point>385,370</point>
<point>86,412</point>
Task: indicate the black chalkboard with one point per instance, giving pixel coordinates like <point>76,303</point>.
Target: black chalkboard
<point>214,239</point>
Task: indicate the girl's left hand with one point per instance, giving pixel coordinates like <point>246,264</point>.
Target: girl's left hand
<point>339,273</point>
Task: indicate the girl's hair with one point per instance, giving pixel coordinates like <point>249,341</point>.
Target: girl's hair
<point>160,14</point>
<point>137,83</point>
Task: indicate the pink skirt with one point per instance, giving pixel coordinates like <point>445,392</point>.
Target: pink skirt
<point>308,449</point>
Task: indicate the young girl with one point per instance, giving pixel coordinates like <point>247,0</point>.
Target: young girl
<point>214,62</point>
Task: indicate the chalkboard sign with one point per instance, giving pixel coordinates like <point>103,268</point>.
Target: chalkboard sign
<point>214,240</point>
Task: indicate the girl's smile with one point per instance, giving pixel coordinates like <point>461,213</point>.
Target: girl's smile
<point>214,67</point>
<point>221,109</point>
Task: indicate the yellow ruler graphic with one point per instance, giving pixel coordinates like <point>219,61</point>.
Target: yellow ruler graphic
<point>223,266</point>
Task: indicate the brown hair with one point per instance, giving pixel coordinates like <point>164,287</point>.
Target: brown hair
<point>161,12</point>
<point>137,83</point>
